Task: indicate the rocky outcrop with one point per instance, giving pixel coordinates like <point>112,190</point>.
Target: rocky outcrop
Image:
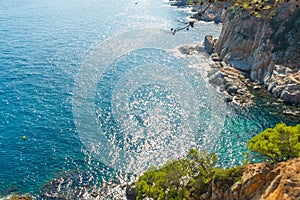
<point>17,197</point>
<point>259,45</point>
<point>270,181</point>
<point>231,82</point>
<point>283,82</point>
<point>262,181</point>
<point>210,12</point>
<point>179,3</point>
<point>209,44</point>
<point>131,191</point>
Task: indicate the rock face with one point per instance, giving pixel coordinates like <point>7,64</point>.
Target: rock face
<point>231,82</point>
<point>266,181</point>
<point>261,46</point>
<point>209,44</point>
<point>210,12</point>
<point>283,82</point>
<point>206,12</point>
<point>262,182</point>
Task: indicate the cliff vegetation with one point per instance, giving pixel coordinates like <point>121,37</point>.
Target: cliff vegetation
<point>196,177</point>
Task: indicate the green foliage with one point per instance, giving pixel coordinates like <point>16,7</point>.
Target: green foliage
<point>176,179</point>
<point>280,143</point>
<point>256,8</point>
<point>165,182</point>
<point>228,176</point>
<point>190,177</point>
<point>201,161</point>
<point>202,167</point>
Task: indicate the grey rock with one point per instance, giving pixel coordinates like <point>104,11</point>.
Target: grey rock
<point>229,82</point>
<point>209,44</point>
<point>131,192</point>
<point>290,97</point>
<point>293,88</point>
<point>94,194</point>
<point>228,99</point>
<point>241,91</point>
<point>278,90</point>
<point>217,79</point>
<point>272,85</point>
<point>232,90</point>
<point>240,65</point>
<point>257,87</point>
<point>290,112</point>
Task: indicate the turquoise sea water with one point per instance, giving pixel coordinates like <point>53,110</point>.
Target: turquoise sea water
<point>43,45</point>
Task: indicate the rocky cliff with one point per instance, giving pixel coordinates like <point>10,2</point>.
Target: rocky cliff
<point>266,47</point>
<point>262,181</point>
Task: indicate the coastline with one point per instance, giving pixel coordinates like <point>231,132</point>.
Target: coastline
<point>259,96</point>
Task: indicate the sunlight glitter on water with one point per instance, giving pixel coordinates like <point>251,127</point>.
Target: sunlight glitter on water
<point>148,74</point>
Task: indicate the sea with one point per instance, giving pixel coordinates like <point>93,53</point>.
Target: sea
<point>94,92</point>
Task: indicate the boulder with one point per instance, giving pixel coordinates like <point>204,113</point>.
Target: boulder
<point>228,80</point>
<point>291,94</point>
<point>240,65</point>
<point>216,78</point>
<point>271,181</point>
<point>209,44</point>
<point>283,83</point>
<point>131,192</point>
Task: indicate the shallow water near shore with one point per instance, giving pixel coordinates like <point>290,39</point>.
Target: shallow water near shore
<point>43,46</point>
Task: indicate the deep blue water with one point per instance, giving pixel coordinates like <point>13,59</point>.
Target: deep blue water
<point>43,46</point>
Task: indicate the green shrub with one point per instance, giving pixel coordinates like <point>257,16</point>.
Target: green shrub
<point>228,176</point>
<point>166,182</point>
<point>176,179</point>
<point>280,143</point>
<point>189,178</point>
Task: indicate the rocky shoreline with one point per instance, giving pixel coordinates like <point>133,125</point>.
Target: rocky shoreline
<point>231,82</point>
<point>267,49</point>
<point>238,88</point>
<point>237,81</point>
<point>213,12</point>
<point>256,50</point>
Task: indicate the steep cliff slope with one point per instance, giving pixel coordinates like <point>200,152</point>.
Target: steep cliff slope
<point>267,47</point>
<point>264,181</point>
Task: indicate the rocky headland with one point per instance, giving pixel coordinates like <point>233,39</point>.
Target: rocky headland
<point>267,48</point>
<point>214,11</point>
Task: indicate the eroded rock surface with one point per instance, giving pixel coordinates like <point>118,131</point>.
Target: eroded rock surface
<point>268,49</point>
<point>267,182</point>
<point>261,181</point>
<point>231,82</point>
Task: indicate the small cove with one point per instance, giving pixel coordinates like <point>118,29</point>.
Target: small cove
<point>43,46</point>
